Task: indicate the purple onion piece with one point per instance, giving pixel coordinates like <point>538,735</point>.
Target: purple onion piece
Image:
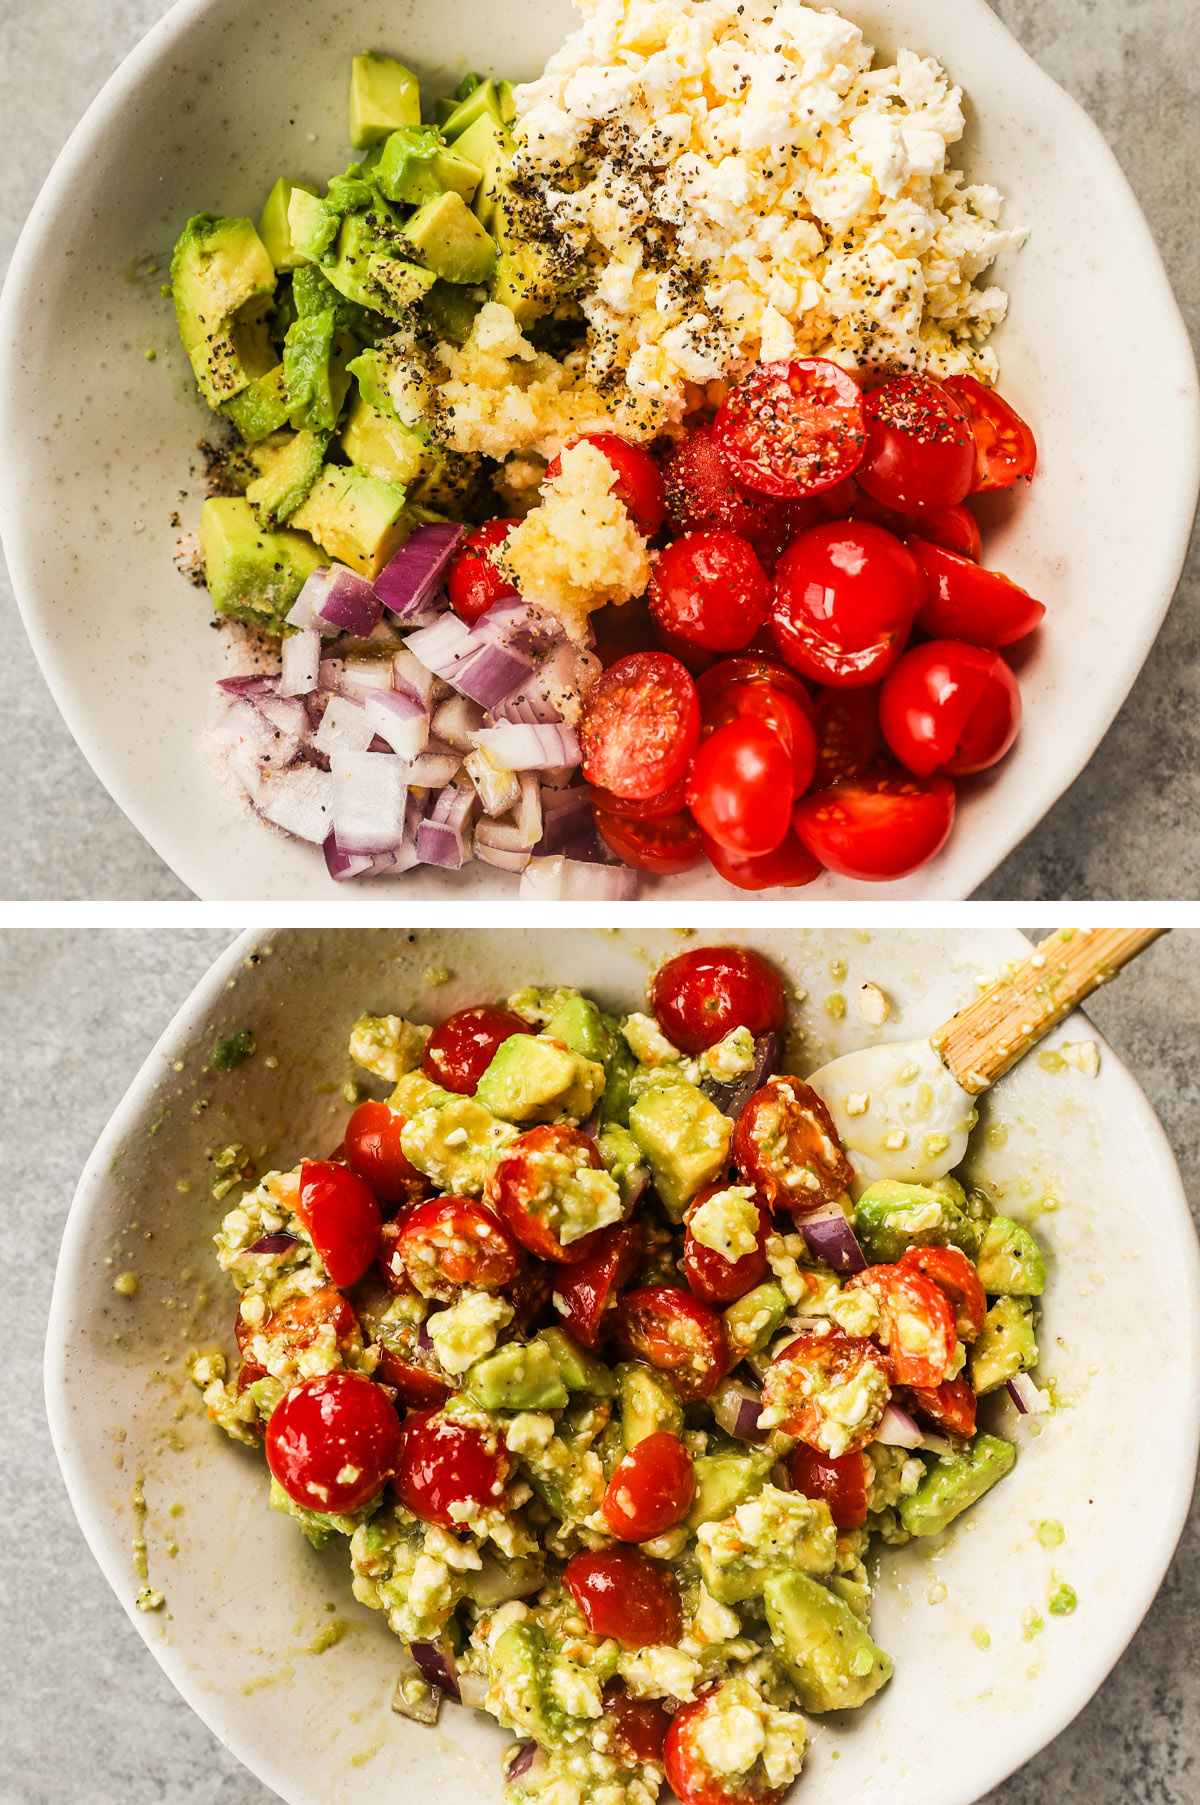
<point>731,1099</point>
<point>831,1238</point>
<point>522,1763</point>
<point>736,1408</point>
<point>501,856</point>
<point>414,1697</point>
<point>407,582</point>
<point>592,1126</point>
<point>438,1665</point>
<point>424,1339</point>
<point>274,1244</point>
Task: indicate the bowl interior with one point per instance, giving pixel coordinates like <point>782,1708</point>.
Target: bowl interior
<point>262,1635</point>
<point>98,442</point>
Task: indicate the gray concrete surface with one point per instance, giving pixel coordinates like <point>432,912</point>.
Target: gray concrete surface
<point>85,1714</point>
<point>1126,828</point>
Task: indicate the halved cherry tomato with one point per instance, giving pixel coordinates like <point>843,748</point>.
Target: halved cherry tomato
<point>463,1047</point>
<point>749,668</point>
<point>740,788</point>
<point>840,1480</point>
<point>709,588</point>
<point>846,596</point>
<point>531,1295</point>
<point>818,1366</point>
<point>641,1724</point>
<point>443,1462</point>
<point>408,1363</point>
<point>451,1243</point>
<point>651,1490</point>
<point>1005,448</point>
<point>787,719</point>
<point>473,583</point>
<point>920,452</point>
<point>950,1268</point>
<point>950,709</point>
<point>620,632</point>
<point>789,867</point>
<point>702,492</point>
<point>786,1146</point>
<point>849,738</point>
<point>299,1323</point>
<point>916,1324</point>
<point>955,528</point>
<point>624,1594</point>
<point>373,1151</point>
<point>694,659</point>
<point>662,847</point>
<point>525,1184</point>
<point>586,1294</point>
<point>701,996</point>
<point>689,1774</point>
<point>342,1217</point>
<point>964,602</point>
<point>710,1275</point>
<point>332,1442</point>
<point>878,827</point>
<point>640,726</point>
<point>950,1408</point>
<point>639,481</point>
<point>792,429</point>
<point>414,1385</point>
<point>655,808</point>
<point>678,1335</point>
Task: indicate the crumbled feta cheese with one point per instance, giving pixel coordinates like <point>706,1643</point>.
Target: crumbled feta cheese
<point>730,1057</point>
<point>659,1673</point>
<point>387,1045</point>
<point>873,1006</point>
<point>468,1329</point>
<point>1084,1055</point>
<point>728,1222</point>
<point>647,1042</point>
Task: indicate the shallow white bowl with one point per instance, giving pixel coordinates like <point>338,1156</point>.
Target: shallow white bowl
<point>246,1596</point>
<point>96,443</point>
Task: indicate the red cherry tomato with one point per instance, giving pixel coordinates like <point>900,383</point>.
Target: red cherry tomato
<point>849,737</point>
<point>662,847</point>
<point>778,710</point>
<point>462,1049</point>
<point>624,1594</point>
<point>749,668</point>
<point>620,632</point>
<point>710,1275</point>
<point>950,709</point>
<point>877,828</point>
<point>1005,448</point>
<point>452,1243</point>
<point>846,595</point>
<point>639,481</point>
<point>920,453</point>
<point>414,1385</point>
<point>916,1324</point>
<point>950,1269</point>
<point>640,726</point>
<point>786,1146</point>
<point>964,602</point>
<point>332,1442</point>
<point>586,1294</point>
<point>443,1462</point>
<point>950,1408</point>
<point>789,867</point>
<point>651,1490</point>
<point>678,1335</point>
<point>531,1295</point>
<point>701,996</point>
<point>641,1724</point>
<point>955,528</point>
<point>801,1378</point>
<point>740,789</point>
<point>342,1218</point>
<point>473,582</point>
<point>543,1158</point>
<point>688,1773</point>
<point>710,588</point>
<point>792,429</point>
<point>702,493</point>
<point>655,808</point>
<point>373,1150</point>
<point>300,1323</point>
<point>840,1480</point>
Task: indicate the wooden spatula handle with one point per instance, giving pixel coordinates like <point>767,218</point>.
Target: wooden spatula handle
<point>982,1041</point>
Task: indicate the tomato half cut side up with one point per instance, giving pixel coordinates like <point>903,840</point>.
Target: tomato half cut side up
<point>790,867</point>
<point>950,1408</point>
<point>786,1146</point>
<point>652,1489</point>
<point>877,828</point>
<point>451,1243</point>
<point>689,1772</point>
<point>663,848</point>
<point>678,1335</point>
<point>701,996</point>
<point>640,726</point>
<point>950,709</point>
<point>916,1324</point>
<point>710,589</point>
<point>964,602</point>
<point>815,1367</point>
<point>461,1049</point>
<point>522,1188</point>
<point>953,1272</point>
<point>920,451</point>
<point>849,738</point>
<point>792,429</point>
<point>589,1291</point>
<point>840,1480</point>
<point>641,1723</point>
<point>639,484</point>
<point>654,808</point>
<point>622,1593</point>
<point>702,492</point>
<point>1005,448</point>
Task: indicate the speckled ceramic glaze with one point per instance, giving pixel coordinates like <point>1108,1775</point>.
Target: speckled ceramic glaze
<point>98,444</point>
<point>247,1600</point>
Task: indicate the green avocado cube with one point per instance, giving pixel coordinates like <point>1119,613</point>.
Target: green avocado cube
<point>359,520</point>
<point>1010,1262</point>
<point>455,1143</point>
<point>489,146</point>
<point>533,1079</point>
<point>517,1377</point>
<point>482,101</point>
<point>955,1482</point>
<point>316,358</point>
<point>684,1139</point>
<point>648,1404</point>
<point>453,310</point>
<point>581,1370</point>
<point>312,226</point>
<point>383,95</point>
<point>415,166</point>
<point>252,574</point>
<point>274,227</point>
<point>451,240</point>
<point>892,1216</point>
<point>381,445</point>
<point>753,1319</point>
<point>262,407</point>
<point>288,465</point>
<point>723,1481</point>
<point>221,281</point>
<point>622,1159</point>
<point>776,1532</point>
<point>414,1092</point>
<point>1007,1345</point>
<point>831,1659</point>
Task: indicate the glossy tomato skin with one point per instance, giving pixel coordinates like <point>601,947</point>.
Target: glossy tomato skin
<point>709,1274</point>
<point>702,492</point>
<point>750,667</point>
<point>792,429</point>
<point>414,1385</point>
<point>953,1273</point>
<point>639,483</point>
<point>450,1244</point>
<point>1005,448</point>
<point>641,1724</point>
<point>300,1322</point>
<point>877,828</point>
<point>789,720</point>
<point>590,1289</point>
<point>327,1428</point>
<point>955,528</point>
<point>621,632</point>
<point>786,1146</point>
<point>950,1408</point>
<point>964,602</point>
<point>920,452</point>
<point>812,1365</point>
<point>640,726</point>
<point>443,1462</point>
<point>473,583</point>
<point>657,808</point>
<point>846,596</point>
<point>651,1490</point>
<point>841,1480</point>
<point>662,847</point>
<point>676,1333</point>
<point>790,867</point>
<point>342,1217</point>
<point>373,1151</point>
<point>740,789</point>
<point>950,709</point>
<point>850,740</point>
<point>690,1778</point>
<point>516,1188</point>
<point>701,996</point>
<point>916,1324</point>
<point>460,1051</point>
<point>624,1594</point>
<point>709,587</point>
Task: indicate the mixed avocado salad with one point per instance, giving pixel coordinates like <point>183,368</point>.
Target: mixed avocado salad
<point>580,1342</point>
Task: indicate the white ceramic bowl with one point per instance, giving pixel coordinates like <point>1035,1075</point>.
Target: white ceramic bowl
<point>245,1595</point>
<point>96,443</point>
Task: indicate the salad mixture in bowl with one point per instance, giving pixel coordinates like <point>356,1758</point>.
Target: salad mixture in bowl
<point>611,1373</point>
<point>595,493</point>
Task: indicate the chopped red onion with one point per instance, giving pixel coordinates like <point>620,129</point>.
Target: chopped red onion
<point>456,804</point>
<point>369,793</point>
<point>300,657</point>
<point>736,1407</point>
<point>344,727</point>
<point>731,1099</point>
<point>344,865</point>
<point>407,582</point>
<point>363,674</point>
<point>520,747</point>
<point>831,1238</point>
<point>529,812</point>
<point>898,1429</point>
<point>437,1664</point>
<point>300,801</point>
<point>1028,1399</point>
<point>498,790</point>
<point>440,844</point>
<point>442,647</point>
<point>398,718</point>
<point>409,673</point>
<point>531,1760</point>
<point>565,815</point>
<point>500,856</point>
<point>342,601</point>
<point>331,673</point>
<point>414,1697</point>
<point>503,836</point>
<point>568,880</point>
<point>247,688</point>
<point>558,777</point>
<point>457,721</point>
<point>254,743</point>
<point>436,766</point>
<point>491,674</point>
<point>274,1244</point>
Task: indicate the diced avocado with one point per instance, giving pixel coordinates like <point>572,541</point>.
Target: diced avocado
<point>381,446</point>
<point>1006,1346</point>
<point>447,483</point>
<point>622,1159</point>
<point>955,1482</point>
<point>262,407</point>
<point>470,81</point>
<point>831,1659</point>
<point>519,1376</point>
<point>619,1069</point>
<point>221,279</point>
<point>443,109</point>
<point>530,277</point>
<point>1010,1261</point>
<point>383,95</point>
<point>482,100</point>
<point>451,240</point>
<point>316,356</point>
<point>685,1141</point>
<point>723,1481</point>
<point>317,1526</point>
<point>775,1532</point>
<point>533,1079</point>
<point>453,310</point>
<point>752,1320</point>
<point>530,1677</point>
<point>892,1216</point>
<point>577,1022</point>
<point>415,166</point>
<point>506,100</point>
<point>580,1369</point>
<point>455,1143</point>
<point>356,518</point>
<point>489,145</point>
<point>647,1404</point>
<point>414,1091</point>
<point>288,465</point>
<point>274,227</point>
<point>252,574</point>
<point>366,271</point>
<point>312,226</point>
